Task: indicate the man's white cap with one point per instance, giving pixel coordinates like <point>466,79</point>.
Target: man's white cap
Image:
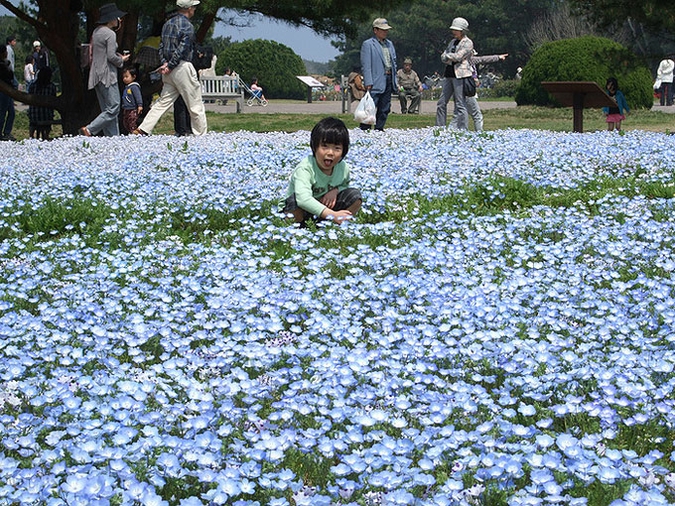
<point>382,24</point>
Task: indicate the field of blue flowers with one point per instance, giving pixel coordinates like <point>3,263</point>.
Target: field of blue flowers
<point>496,327</point>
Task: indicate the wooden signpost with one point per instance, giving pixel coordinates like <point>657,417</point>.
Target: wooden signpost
<point>579,94</point>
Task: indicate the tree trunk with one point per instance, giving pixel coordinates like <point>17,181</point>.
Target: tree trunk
<point>57,24</point>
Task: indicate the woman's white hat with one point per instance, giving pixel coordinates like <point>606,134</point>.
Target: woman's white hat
<point>459,24</point>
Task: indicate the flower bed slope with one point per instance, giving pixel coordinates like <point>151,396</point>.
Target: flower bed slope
<point>496,327</point>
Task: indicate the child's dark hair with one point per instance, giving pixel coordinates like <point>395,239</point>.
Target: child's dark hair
<point>133,72</point>
<point>613,82</point>
<point>331,130</point>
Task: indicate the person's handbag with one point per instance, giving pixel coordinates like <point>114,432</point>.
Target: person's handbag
<point>365,111</point>
<point>469,87</point>
<point>657,85</point>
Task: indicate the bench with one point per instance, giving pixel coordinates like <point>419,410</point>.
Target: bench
<point>222,88</point>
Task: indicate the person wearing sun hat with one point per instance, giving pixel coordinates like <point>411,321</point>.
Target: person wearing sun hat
<point>179,76</point>
<point>105,60</point>
<point>457,68</point>
<point>378,66</point>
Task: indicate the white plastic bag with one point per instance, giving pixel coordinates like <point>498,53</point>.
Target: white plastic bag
<point>365,111</point>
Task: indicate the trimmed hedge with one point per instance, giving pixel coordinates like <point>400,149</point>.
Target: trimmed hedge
<point>275,65</point>
<point>585,59</point>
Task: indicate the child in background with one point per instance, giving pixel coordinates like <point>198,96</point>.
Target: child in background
<point>319,185</point>
<point>38,116</point>
<point>28,71</point>
<point>615,115</point>
<point>132,100</point>
<point>257,90</point>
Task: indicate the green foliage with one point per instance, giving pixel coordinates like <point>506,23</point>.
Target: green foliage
<point>502,88</point>
<point>74,215</point>
<point>495,27</point>
<point>585,59</point>
<point>275,65</point>
<point>653,16</point>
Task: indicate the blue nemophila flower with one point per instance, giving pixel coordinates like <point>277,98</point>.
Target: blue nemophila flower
<point>460,343</point>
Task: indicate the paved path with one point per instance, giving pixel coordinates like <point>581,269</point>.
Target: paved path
<point>332,107</point>
<point>335,107</point>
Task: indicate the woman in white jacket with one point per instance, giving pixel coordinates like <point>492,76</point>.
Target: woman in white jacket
<point>456,58</point>
<point>664,74</point>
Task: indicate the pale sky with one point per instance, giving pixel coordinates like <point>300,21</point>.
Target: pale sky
<point>303,41</point>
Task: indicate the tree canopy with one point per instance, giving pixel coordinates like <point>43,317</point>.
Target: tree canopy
<point>421,30</point>
<point>63,25</point>
<point>654,15</point>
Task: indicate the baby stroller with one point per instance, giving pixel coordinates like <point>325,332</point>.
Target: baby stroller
<point>255,96</point>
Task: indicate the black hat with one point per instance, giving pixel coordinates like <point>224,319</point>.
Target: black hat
<point>109,12</point>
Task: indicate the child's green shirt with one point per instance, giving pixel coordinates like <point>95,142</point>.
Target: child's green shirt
<point>309,184</point>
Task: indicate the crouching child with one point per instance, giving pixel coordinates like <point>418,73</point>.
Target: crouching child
<point>319,186</point>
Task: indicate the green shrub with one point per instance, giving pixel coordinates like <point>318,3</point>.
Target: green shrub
<point>505,88</point>
<point>275,65</point>
<point>585,59</point>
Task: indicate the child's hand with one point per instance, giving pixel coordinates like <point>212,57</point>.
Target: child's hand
<point>340,217</point>
<point>330,198</point>
<point>139,110</point>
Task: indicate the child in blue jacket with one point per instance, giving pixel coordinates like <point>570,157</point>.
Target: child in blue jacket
<point>615,115</point>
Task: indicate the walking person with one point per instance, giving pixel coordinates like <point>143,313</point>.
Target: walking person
<point>664,74</point>
<point>378,65</point>
<point>457,68</point>
<point>178,74</point>
<point>103,72</point>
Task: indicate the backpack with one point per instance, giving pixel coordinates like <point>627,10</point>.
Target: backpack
<point>201,57</point>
